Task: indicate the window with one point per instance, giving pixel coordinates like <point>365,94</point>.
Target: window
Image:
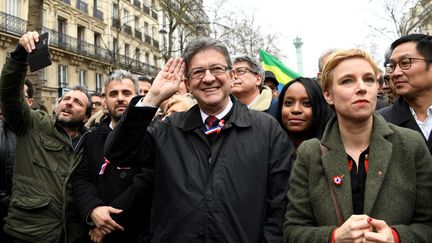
<point>61,29</point>
<point>63,76</point>
<point>146,28</point>
<point>127,54</point>
<point>82,77</point>
<point>114,47</point>
<point>80,37</point>
<point>136,23</point>
<point>98,79</point>
<point>115,11</point>
<point>97,43</point>
<point>12,7</point>
<point>137,56</point>
<point>153,33</point>
<point>126,16</point>
<point>147,58</point>
<point>155,60</point>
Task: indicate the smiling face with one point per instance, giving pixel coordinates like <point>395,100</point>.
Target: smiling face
<point>417,78</point>
<point>211,91</point>
<point>118,96</point>
<point>296,109</point>
<point>353,89</point>
<point>71,111</point>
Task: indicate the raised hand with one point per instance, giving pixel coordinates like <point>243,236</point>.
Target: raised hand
<point>28,40</point>
<point>353,229</point>
<point>166,82</point>
<point>383,232</point>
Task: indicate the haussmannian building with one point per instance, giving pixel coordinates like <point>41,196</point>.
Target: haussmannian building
<point>88,40</point>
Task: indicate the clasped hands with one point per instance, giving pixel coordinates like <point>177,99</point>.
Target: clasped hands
<point>362,228</point>
<point>101,217</point>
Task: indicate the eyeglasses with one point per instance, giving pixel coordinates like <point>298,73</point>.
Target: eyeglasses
<point>242,70</point>
<point>215,70</point>
<point>404,64</point>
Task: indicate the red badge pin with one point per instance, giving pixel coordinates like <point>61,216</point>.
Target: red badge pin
<point>338,180</point>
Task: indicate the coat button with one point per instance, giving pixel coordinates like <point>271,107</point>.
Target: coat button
<point>123,175</point>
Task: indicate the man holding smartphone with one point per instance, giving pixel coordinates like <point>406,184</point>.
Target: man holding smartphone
<point>48,150</point>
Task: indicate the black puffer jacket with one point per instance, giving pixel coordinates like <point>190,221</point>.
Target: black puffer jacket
<point>232,191</point>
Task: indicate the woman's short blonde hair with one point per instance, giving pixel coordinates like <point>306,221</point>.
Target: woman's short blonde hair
<point>336,58</point>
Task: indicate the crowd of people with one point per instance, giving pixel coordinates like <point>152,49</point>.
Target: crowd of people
<point>210,150</point>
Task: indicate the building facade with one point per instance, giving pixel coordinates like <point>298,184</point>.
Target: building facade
<point>88,40</point>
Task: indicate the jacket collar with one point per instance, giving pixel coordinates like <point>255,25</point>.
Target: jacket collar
<point>263,101</point>
<point>335,163</point>
<point>403,113</point>
<point>240,116</point>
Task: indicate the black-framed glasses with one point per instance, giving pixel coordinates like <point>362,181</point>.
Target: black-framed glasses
<point>404,64</point>
<point>215,70</point>
<point>242,70</point>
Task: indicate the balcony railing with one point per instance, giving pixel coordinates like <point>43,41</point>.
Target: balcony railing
<point>67,2</point>
<point>138,34</point>
<point>146,9</point>
<point>81,47</point>
<point>154,15</point>
<point>98,14</point>
<point>82,6</point>
<point>12,24</point>
<point>137,3</point>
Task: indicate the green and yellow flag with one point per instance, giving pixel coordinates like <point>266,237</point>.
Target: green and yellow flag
<point>271,63</point>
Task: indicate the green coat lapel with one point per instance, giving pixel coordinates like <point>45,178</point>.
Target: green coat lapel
<point>380,151</point>
<point>335,164</point>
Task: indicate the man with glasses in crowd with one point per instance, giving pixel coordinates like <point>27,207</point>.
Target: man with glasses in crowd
<point>248,88</point>
<point>213,179</point>
<point>409,67</point>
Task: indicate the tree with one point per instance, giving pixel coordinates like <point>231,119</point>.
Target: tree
<point>187,17</point>
<point>406,17</point>
<point>240,32</point>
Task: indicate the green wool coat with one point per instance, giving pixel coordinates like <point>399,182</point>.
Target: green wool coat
<point>398,185</point>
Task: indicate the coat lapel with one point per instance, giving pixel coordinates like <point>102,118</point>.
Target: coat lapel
<point>335,164</point>
<point>380,151</point>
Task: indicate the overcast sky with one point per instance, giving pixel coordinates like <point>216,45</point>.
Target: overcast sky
<point>320,24</point>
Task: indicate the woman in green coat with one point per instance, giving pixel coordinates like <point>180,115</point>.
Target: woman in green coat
<point>366,180</point>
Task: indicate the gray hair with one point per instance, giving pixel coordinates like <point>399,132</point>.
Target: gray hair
<point>121,74</point>
<point>323,56</point>
<point>253,63</point>
<point>202,44</point>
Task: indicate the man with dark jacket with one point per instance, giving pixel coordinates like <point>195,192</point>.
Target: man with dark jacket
<point>7,158</point>
<point>47,151</point>
<point>96,184</point>
<point>409,66</point>
<point>225,181</point>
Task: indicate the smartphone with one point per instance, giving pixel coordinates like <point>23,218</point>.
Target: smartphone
<point>40,56</point>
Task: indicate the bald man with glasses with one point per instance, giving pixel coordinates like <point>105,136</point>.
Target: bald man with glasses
<point>409,67</point>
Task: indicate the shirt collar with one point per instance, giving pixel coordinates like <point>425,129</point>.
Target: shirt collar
<point>220,115</point>
<point>428,112</point>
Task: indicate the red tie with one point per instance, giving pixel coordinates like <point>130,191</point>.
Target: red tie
<point>211,121</point>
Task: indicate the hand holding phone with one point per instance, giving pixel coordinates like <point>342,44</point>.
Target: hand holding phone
<point>40,56</point>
